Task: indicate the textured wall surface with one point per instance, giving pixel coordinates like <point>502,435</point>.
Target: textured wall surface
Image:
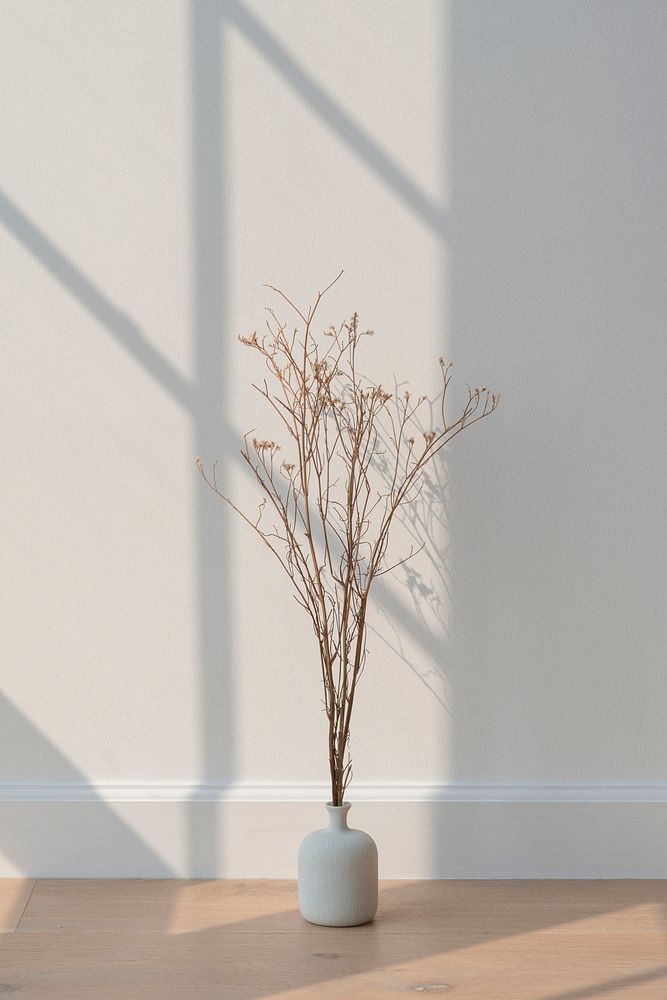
<point>491,178</point>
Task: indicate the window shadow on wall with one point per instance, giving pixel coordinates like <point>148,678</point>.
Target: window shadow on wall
<point>36,836</point>
<point>203,400</point>
<point>472,594</point>
<point>549,152</point>
<point>212,437</point>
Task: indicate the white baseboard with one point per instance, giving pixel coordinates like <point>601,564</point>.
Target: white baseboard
<point>253,831</point>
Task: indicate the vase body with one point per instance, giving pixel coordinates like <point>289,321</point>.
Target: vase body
<point>338,873</point>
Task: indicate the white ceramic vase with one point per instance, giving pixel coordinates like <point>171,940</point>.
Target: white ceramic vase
<point>338,873</point>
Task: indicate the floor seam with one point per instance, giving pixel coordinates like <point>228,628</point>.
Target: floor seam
<point>18,923</point>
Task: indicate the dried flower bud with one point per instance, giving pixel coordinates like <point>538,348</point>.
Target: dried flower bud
<point>250,341</point>
<point>265,445</point>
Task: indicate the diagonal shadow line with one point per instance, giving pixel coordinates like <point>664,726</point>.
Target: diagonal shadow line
<point>118,324</point>
<point>124,329</point>
<point>324,106</point>
<point>31,846</point>
<point>406,947</point>
<point>612,985</point>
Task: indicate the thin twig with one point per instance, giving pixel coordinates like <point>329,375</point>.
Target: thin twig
<point>356,456</point>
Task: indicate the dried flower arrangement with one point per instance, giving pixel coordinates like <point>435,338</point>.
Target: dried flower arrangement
<point>355,462</point>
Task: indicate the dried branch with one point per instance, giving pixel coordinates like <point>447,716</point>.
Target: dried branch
<point>356,457</point>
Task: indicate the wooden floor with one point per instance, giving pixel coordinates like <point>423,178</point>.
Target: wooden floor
<point>66,940</point>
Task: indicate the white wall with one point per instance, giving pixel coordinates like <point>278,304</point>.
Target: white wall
<point>491,177</point>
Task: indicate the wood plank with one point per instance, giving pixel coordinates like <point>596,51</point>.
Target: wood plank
<point>171,906</point>
<point>14,894</point>
<point>477,908</point>
<point>245,940</point>
<point>330,964</point>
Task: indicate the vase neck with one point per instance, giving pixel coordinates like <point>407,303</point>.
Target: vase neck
<point>338,816</point>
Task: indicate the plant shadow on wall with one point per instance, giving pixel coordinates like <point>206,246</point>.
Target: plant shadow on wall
<point>424,581</point>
